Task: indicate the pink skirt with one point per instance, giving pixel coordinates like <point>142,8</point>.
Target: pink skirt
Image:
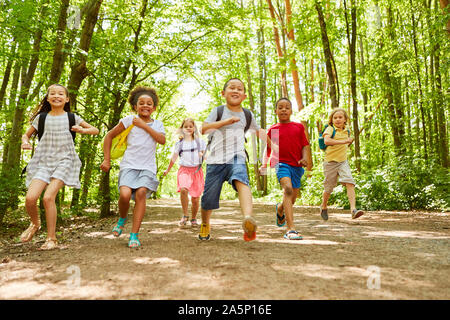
<point>193,181</point>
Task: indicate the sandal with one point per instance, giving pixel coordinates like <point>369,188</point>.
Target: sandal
<point>134,241</point>
<point>28,234</point>
<point>293,235</point>
<point>183,221</point>
<point>194,223</point>
<point>49,244</point>
<point>117,230</point>
<point>281,220</point>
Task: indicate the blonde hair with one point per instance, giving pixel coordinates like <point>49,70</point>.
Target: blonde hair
<point>330,119</point>
<point>195,134</point>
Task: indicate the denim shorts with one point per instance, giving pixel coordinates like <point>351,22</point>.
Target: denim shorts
<point>294,173</point>
<point>216,175</point>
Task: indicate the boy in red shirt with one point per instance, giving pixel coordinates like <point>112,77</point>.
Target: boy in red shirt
<point>293,153</point>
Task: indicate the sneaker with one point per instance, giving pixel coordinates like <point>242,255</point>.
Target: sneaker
<point>324,214</point>
<point>249,226</point>
<point>204,232</point>
<point>356,213</point>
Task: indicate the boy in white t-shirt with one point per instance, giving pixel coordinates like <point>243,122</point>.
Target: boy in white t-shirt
<point>226,162</point>
<point>190,179</point>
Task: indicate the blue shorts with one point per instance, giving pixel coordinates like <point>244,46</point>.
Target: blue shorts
<point>216,175</point>
<point>294,173</point>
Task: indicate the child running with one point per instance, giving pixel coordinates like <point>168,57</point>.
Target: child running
<point>294,150</point>
<point>335,164</point>
<point>190,180</point>
<point>226,161</point>
<point>55,162</point>
<point>137,175</point>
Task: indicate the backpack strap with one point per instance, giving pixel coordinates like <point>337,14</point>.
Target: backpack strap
<point>220,112</point>
<point>248,119</point>
<point>334,132</point>
<point>41,124</point>
<point>180,145</point>
<point>71,124</point>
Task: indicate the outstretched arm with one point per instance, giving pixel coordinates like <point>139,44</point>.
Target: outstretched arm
<point>171,163</point>
<point>85,128</point>
<point>207,127</point>
<point>332,142</point>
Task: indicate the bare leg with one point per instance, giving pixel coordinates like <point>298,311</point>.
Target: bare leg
<point>206,216</point>
<point>34,192</point>
<point>325,198</point>
<point>246,201</point>
<point>184,198</point>
<point>50,206</point>
<point>139,209</point>
<point>245,198</point>
<point>195,205</point>
<point>124,201</point>
<point>351,195</point>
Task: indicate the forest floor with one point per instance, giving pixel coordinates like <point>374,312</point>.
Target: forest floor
<point>382,255</point>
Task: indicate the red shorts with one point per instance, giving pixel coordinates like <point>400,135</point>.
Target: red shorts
<point>193,181</point>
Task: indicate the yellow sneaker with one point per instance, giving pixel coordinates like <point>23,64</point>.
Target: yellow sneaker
<point>204,232</point>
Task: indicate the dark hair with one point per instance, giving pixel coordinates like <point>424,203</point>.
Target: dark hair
<point>281,99</point>
<point>44,105</point>
<point>226,83</point>
<point>139,91</point>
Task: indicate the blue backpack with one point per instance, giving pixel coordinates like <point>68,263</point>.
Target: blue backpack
<point>322,144</point>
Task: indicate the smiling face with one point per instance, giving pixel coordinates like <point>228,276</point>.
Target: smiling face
<point>188,128</point>
<point>57,96</point>
<point>339,119</point>
<point>144,106</point>
<point>234,93</point>
<point>284,111</point>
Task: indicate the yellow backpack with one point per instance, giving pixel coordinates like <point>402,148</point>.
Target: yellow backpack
<point>119,143</point>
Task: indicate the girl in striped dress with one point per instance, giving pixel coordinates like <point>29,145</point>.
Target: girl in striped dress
<point>55,162</point>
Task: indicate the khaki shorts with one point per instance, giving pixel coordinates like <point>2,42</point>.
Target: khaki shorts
<point>332,170</point>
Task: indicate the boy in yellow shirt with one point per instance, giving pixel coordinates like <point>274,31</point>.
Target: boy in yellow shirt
<point>335,163</point>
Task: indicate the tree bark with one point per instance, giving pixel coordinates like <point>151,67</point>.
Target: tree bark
<point>58,54</point>
<point>329,60</point>
<point>280,54</point>
<point>291,37</point>
<point>79,70</point>
<point>352,49</point>
<point>7,74</point>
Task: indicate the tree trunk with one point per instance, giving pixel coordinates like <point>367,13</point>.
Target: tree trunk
<point>352,49</point>
<point>7,74</point>
<point>58,54</point>
<point>79,70</point>
<point>262,89</point>
<point>329,60</point>
<point>11,169</point>
<point>276,38</point>
<point>291,37</point>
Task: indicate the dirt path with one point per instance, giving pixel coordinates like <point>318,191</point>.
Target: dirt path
<point>383,255</point>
